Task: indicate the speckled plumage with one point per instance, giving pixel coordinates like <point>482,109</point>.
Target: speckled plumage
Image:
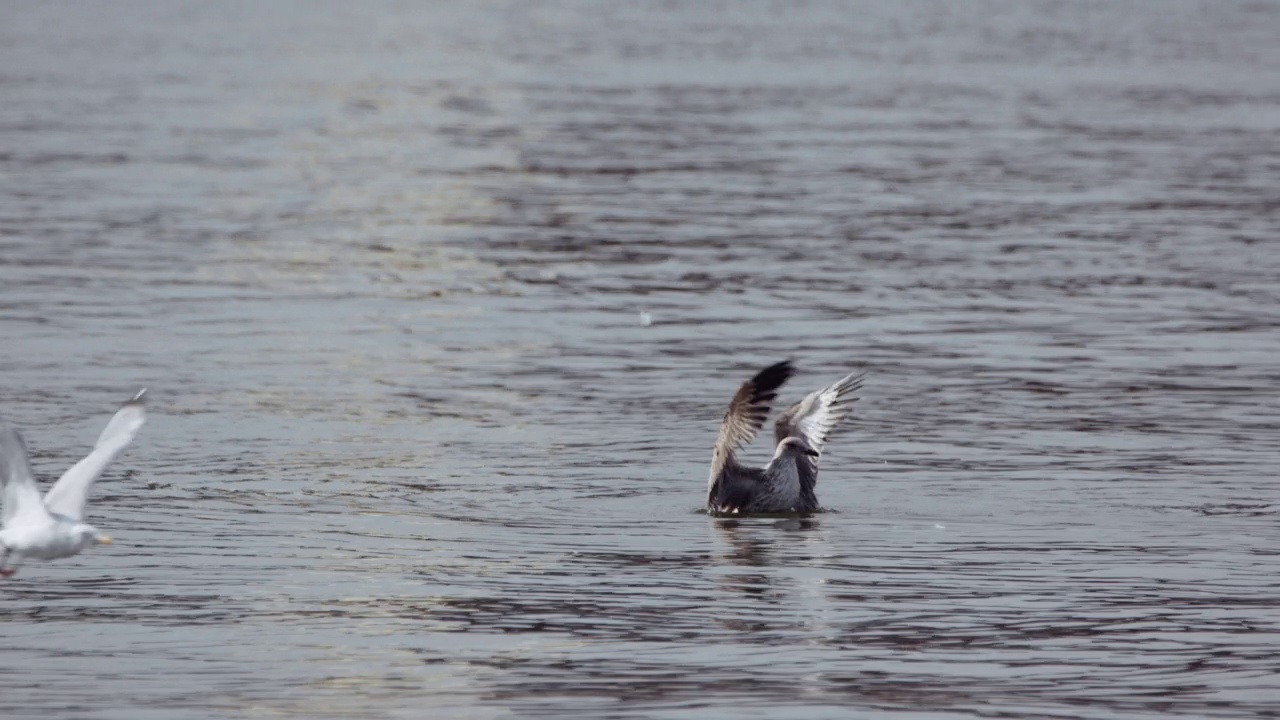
<point>787,483</point>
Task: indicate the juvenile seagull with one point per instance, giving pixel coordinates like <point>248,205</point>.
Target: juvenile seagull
<point>786,483</point>
<point>52,527</point>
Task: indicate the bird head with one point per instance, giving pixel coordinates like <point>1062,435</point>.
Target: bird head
<point>89,535</point>
<point>797,446</point>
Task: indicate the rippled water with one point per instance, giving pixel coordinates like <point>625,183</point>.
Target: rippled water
<point>412,452</point>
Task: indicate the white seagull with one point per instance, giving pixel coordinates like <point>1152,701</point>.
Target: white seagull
<point>786,484</point>
<point>53,527</point>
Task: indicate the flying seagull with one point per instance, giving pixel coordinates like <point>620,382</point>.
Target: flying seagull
<point>53,527</point>
<point>786,483</point>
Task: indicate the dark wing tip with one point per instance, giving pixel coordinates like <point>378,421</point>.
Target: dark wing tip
<point>856,383</point>
<point>750,406</point>
<point>772,377</point>
<point>854,380</point>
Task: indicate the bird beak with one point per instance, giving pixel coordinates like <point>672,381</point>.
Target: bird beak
<point>104,539</point>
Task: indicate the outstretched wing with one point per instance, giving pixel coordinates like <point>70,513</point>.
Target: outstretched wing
<point>68,496</point>
<point>746,415</point>
<point>748,411</point>
<point>814,417</point>
<point>22,502</point>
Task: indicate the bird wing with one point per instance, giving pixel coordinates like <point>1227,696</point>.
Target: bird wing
<point>21,498</point>
<point>68,496</point>
<point>814,417</point>
<point>747,412</point>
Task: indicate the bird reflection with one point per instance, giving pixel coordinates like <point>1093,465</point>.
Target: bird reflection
<point>755,545</point>
<point>746,549</point>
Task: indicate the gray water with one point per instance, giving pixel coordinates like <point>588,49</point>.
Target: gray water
<point>411,452</point>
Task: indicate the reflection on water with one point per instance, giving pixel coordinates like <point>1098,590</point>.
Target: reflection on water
<point>413,446</point>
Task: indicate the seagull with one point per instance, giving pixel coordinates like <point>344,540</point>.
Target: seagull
<point>53,527</point>
<point>786,483</point>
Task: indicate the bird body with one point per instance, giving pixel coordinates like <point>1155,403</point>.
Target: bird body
<point>61,537</point>
<point>787,482</point>
<point>52,527</point>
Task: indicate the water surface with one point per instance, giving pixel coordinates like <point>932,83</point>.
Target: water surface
<point>411,449</point>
